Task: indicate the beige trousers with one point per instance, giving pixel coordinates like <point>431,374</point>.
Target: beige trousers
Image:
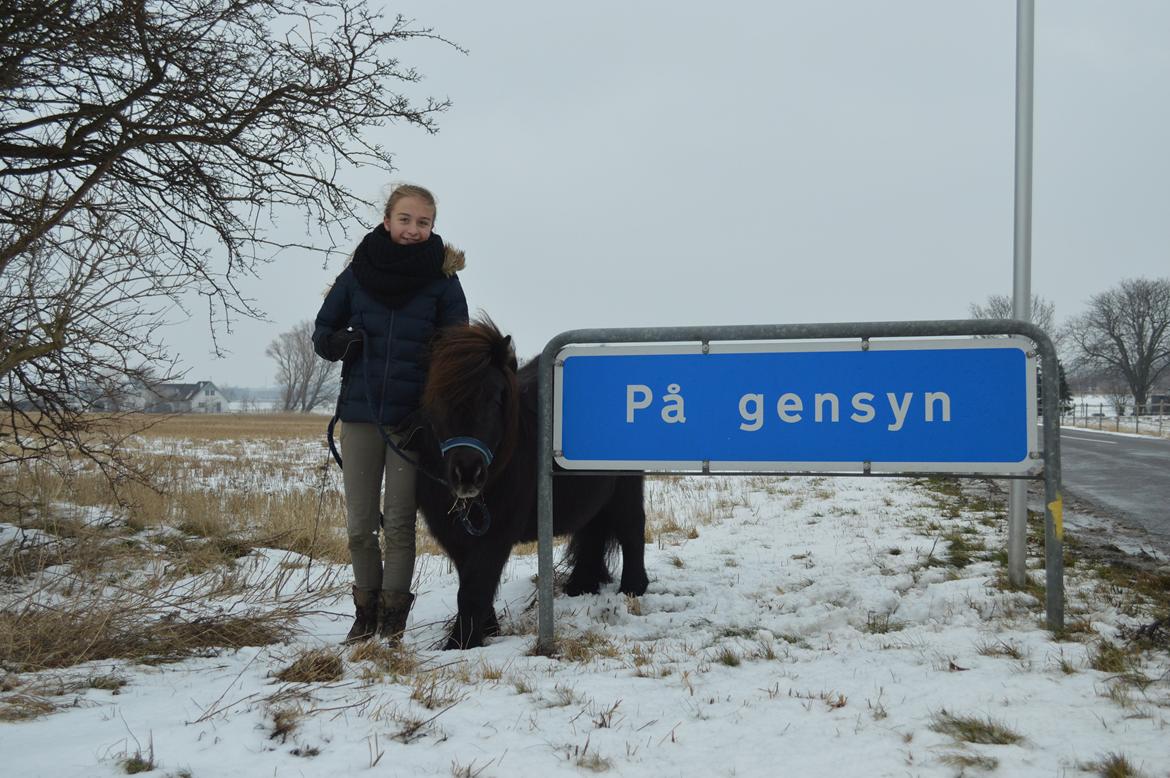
<point>369,461</point>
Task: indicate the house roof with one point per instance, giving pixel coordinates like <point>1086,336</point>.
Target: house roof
<point>181,392</point>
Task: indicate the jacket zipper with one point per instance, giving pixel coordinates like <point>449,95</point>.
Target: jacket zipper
<point>386,370</point>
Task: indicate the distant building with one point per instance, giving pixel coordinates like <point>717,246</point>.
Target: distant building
<point>113,397</point>
<point>199,397</point>
<point>1157,404</point>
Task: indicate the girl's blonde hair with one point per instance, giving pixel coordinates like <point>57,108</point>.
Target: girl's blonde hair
<point>410,190</point>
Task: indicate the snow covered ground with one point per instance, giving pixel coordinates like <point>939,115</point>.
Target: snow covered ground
<point>804,626</point>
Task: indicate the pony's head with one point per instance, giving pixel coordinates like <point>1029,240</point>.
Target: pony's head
<point>472,400</point>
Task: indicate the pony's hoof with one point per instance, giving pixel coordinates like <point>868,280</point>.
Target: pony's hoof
<point>576,588</point>
<point>637,587</point>
<point>453,644</point>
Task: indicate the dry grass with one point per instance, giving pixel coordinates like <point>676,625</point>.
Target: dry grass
<point>239,479</point>
<point>234,426</point>
<point>727,656</point>
<point>964,761</point>
<point>435,690</point>
<point>380,660</point>
<point>584,647</point>
<point>322,665</point>
<point>284,722</point>
<point>971,729</point>
<point>39,637</point>
<point>171,563</point>
<point>1005,648</point>
<point>882,623</point>
<point>1113,766</point>
<point>22,707</point>
<point>138,763</point>
<point>22,560</point>
<point>1111,658</point>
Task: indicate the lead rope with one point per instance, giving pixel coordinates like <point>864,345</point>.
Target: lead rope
<point>320,506</point>
<point>464,505</point>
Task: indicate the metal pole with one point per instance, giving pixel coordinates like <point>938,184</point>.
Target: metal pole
<point>544,503</point>
<point>1053,502</point>
<point>1022,262</point>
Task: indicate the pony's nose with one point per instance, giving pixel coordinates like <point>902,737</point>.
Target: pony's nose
<point>469,473</point>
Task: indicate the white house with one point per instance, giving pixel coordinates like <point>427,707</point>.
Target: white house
<point>199,397</point>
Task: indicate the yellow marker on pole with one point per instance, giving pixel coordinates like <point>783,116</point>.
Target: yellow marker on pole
<point>1056,508</point>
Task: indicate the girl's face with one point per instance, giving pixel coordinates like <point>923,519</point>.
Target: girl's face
<point>410,221</point>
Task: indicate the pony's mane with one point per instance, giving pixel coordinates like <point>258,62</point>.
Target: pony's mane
<point>461,356</point>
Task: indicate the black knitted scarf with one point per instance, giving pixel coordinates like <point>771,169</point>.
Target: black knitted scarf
<point>392,273</point>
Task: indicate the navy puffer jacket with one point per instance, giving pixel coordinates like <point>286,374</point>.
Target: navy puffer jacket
<point>383,380</point>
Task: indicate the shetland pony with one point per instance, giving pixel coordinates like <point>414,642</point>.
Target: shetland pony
<point>476,445</point>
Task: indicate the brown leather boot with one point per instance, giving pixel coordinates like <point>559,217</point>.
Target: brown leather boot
<point>365,620</point>
<point>393,608</point>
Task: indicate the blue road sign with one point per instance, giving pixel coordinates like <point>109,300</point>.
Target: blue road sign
<point>944,405</point>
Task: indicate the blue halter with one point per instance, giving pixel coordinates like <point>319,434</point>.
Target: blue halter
<point>466,442</point>
<point>465,517</point>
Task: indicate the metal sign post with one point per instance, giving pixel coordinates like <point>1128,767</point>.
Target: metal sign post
<point>753,399</point>
<point>1022,253</point>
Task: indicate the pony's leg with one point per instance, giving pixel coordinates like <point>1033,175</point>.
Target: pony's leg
<point>586,554</point>
<point>479,576</point>
<point>491,625</point>
<point>628,514</point>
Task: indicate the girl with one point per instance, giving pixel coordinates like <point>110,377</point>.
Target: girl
<point>378,318</point>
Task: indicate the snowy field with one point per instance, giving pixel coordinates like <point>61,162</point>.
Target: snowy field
<point>803,626</point>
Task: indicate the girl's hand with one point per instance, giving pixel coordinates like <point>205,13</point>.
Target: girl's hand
<point>344,343</point>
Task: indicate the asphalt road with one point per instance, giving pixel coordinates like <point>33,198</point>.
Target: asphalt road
<point>1127,476</point>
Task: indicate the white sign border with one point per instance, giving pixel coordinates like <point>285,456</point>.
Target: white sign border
<point>1029,466</point>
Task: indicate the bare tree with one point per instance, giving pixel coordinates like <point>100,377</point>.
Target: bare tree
<point>305,379</point>
<point>999,306</point>
<point>1117,393</point>
<point>1127,330</point>
<point>145,147</point>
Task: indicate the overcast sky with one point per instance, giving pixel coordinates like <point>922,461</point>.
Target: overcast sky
<point>663,163</point>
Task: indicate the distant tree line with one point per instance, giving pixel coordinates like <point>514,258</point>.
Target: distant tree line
<point>1119,346</point>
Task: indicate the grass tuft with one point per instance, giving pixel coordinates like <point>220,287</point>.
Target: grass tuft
<point>971,729</point>
<point>23,707</point>
<point>140,762</point>
<point>137,764</point>
<point>584,647</point>
<point>594,762</point>
<point>882,623</point>
<point>962,548</point>
<point>284,722</point>
<point>1111,658</point>
<point>382,660</point>
<point>1001,648</point>
<point>727,656</point>
<point>1113,766</point>
<point>321,665</point>
<point>433,691</point>
<point>965,761</point>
